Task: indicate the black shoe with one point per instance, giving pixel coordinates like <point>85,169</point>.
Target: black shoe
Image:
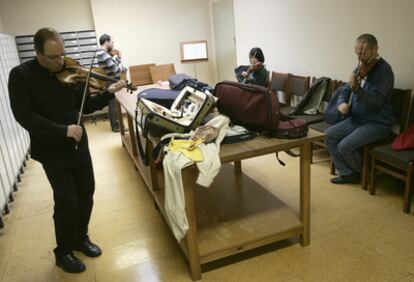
<point>344,179</point>
<point>88,248</point>
<point>117,129</point>
<point>70,263</point>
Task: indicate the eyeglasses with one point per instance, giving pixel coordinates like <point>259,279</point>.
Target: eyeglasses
<point>55,57</point>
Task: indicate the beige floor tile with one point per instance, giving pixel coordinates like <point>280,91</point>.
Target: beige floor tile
<point>3,264</point>
<point>119,217</point>
<point>6,240</point>
<point>339,255</point>
<point>136,252</point>
<point>26,260</point>
<point>165,269</point>
<point>24,225</point>
<point>49,273</point>
<point>109,205</point>
<point>264,267</point>
<point>400,251</point>
<point>126,233</point>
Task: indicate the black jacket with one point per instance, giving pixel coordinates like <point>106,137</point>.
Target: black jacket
<point>45,108</point>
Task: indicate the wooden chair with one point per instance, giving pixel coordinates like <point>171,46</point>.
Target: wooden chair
<point>140,74</point>
<point>268,79</point>
<point>400,100</point>
<point>161,72</point>
<point>310,119</point>
<point>298,86</point>
<point>279,82</point>
<point>399,164</point>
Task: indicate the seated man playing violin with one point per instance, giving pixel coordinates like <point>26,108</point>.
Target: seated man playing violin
<point>256,72</point>
<point>366,100</point>
<point>109,59</point>
<point>49,111</point>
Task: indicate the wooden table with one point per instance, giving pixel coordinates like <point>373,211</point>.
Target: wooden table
<point>235,214</point>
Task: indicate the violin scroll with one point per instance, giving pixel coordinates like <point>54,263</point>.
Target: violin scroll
<point>254,67</point>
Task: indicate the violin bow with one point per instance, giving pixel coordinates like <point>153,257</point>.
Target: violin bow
<point>357,71</point>
<point>85,91</point>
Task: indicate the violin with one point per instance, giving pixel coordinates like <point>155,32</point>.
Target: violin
<point>255,67</point>
<point>362,71</point>
<point>114,52</point>
<point>365,68</point>
<point>73,73</point>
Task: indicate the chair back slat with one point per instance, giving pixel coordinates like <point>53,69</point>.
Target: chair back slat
<point>280,84</point>
<point>298,85</point>
<point>140,74</point>
<point>161,72</point>
<point>400,99</point>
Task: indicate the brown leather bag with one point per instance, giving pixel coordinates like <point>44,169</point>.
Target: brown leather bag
<point>255,107</point>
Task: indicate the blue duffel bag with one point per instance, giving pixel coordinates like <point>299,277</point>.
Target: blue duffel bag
<point>162,97</point>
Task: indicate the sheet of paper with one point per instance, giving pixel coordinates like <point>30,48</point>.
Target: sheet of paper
<point>195,51</point>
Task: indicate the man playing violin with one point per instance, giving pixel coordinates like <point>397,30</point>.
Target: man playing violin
<point>256,72</point>
<point>109,60</point>
<point>49,110</point>
<point>366,99</point>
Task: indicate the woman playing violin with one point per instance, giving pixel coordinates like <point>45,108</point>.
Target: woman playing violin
<point>367,100</point>
<point>49,111</point>
<point>256,72</point>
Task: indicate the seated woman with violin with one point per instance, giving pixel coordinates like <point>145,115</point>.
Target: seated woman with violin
<point>46,100</point>
<point>366,102</point>
<point>256,73</point>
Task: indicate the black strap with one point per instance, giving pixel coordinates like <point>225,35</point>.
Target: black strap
<point>142,153</point>
<point>290,153</point>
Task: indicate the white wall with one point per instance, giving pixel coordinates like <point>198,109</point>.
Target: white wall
<point>150,31</point>
<point>22,17</point>
<point>317,37</point>
<point>223,32</point>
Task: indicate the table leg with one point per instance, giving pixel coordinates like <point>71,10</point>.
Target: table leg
<point>191,240</point>
<point>304,216</point>
<point>152,166</point>
<point>237,167</point>
<point>132,135</point>
<point>120,117</point>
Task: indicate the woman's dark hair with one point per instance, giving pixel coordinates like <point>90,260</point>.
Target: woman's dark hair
<point>42,35</point>
<point>257,53</point>
<point>104,38</point>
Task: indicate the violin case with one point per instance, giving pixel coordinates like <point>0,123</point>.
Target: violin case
<point>186,113</point>
<point>257,108</point>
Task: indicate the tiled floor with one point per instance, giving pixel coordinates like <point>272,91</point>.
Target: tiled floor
<point>355,236</point>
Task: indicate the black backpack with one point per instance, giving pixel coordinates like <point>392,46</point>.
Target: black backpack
<point>312,100</point>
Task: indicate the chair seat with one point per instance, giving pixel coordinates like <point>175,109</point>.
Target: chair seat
<point>401,158</point>
<point>310,119</point>
<point>320,126</point>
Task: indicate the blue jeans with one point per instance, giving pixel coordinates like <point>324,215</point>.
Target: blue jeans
<point>345,140</point>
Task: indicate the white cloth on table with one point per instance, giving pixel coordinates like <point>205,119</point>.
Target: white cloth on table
<point>173,164</point>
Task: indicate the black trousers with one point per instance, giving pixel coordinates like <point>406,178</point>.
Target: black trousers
<point>73,188</point>
<point>113,114</point>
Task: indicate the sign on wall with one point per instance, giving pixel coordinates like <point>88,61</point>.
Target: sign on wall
<point>194,51</point>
